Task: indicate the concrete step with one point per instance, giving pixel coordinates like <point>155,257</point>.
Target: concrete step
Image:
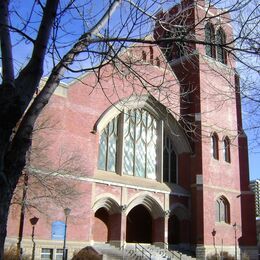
<point>110,252</point>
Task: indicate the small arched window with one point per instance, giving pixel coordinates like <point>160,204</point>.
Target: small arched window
<point>226,144</point>
<point>221,41</point>
<point>222,210</point>
<point>210,39</point>
<point>158,63</point>
<point>214,146</point>
<point>151,54</point>
<point>144,55</point>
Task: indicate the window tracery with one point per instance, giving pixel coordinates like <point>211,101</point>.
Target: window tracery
<point>134,139</point>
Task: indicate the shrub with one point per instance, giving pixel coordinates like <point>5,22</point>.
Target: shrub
<point>217,256</point>
<point>12,254</point>
<point>87,253</point>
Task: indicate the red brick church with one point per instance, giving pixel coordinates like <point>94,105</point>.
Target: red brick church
<point>163,154</point>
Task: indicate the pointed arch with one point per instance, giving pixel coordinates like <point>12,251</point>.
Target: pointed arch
<point>150,203</point>
<point>108,203</point>
<point>158,110</point>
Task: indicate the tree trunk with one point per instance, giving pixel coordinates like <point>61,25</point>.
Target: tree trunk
<point>5,200</point>
<point>12,162</point>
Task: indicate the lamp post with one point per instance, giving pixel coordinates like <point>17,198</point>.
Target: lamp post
<point>235,229</point>
<point>33,221</point>
<point>22,213</point>
<point>214,232</point>
<point>66,212</point>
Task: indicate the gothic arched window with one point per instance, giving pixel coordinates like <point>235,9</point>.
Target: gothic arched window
<point>226,144</point>
<point>131,144</point>
<point>221,41</point>
<point>222,210</point>
<point>210,39</point>
<point>214,146</point>
<point>169,161</point>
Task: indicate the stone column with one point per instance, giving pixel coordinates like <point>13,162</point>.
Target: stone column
<point>123,219</point>
<point>166,222</point>
<point>160,230</point>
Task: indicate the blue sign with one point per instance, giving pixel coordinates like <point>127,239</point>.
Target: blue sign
<point>57,230</point>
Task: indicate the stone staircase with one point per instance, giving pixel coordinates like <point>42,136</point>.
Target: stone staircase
<point>144,251</point>
<point>110,252</point>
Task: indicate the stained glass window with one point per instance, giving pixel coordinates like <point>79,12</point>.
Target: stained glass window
<point>169,161</point>
<point>134,146</point>
<point>108,147</point>
<point>140,137</point>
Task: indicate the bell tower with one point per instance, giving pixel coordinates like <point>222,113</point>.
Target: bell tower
<point>193,38</point>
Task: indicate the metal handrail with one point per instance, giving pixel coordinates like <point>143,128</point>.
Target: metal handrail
<point>143,250</point>
<point>176,254</point>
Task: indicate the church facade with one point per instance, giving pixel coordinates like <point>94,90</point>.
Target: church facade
<point>163,155</point>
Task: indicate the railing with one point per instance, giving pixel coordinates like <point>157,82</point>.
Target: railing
<point>175,254</point>
<point>144,251</point>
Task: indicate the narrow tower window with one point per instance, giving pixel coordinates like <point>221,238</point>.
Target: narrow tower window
<point>226,144</point>
<point>221,41</point>
<point>210,39</point>
<point>214,146</point>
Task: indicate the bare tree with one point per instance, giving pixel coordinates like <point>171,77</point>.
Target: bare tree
<point>40,183</point>
<point>104,31</point>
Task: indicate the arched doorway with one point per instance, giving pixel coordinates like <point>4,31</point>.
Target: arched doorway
<point>139,225</point>
<point>101,225</point>
<point>173,230</point>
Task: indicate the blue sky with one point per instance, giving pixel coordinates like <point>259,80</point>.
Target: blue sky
<point>254,164</point>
